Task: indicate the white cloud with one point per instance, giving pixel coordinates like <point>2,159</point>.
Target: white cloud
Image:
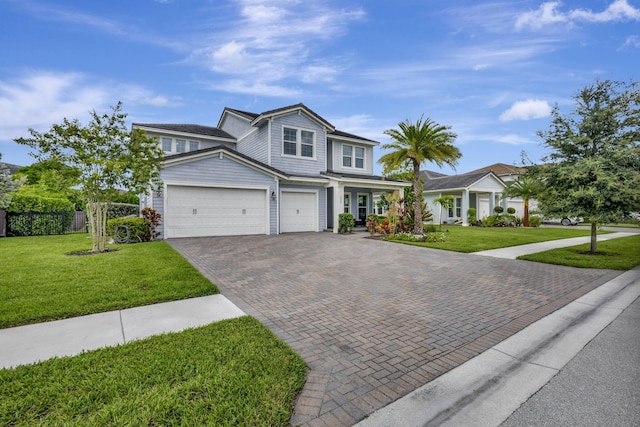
<point>630,42</point>
<point>546,14</point>
<point>513,139</point>
<point>525,110</point>
<point>549,13</point>
<point>41,98</point>
<point>273,42</point>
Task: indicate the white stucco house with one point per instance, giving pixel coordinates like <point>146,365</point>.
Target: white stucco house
<point>480,189</point>
<point>278,171</point>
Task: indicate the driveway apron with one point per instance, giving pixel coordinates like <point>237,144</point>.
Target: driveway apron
<point>375,320</point>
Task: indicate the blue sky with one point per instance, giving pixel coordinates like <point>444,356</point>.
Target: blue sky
<point>490,70</point>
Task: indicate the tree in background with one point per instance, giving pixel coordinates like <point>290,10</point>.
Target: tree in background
<point>445,202</point>
<point>108,156</point>
<point>414,144</point>
<point>7,185</point>
<point>595,159</point>
<point>526,187</point>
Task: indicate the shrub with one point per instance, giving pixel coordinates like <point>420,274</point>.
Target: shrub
<point>346,223</point>
<point>471,216</point>
<point>372,223</point>
<point>498,209</point>
<point>153,220</point>
<point>511,210</point>
<point>534,221</point>
<point>138,228</point>
<point>428,237</point>
<point>430,228</point>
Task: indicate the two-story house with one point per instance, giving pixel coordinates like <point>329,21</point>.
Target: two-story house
<point>279,171</point>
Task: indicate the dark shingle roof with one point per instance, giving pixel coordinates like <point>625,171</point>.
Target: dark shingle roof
<point>340,133</point>
<point>357,176</point>
<point>501,169</point>
<point>431,174</point>
<point>245,114</point>
<point>295,107</point>
<point>189,128</point>
<point>454,181</point>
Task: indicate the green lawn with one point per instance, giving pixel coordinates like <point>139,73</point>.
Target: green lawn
<point>41,282</point>
<point>616,254</point>
<point>474,239</point>
<point>233,372</point>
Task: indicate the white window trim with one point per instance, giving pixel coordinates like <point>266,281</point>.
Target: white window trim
<point>348,196</point>
<point>353,157</point>
<point>174,145</point>
<point>299,143</point>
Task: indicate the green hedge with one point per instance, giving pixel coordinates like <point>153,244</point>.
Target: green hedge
<point>138,227</point>
<point>120,210</point>
<point>23,203</point>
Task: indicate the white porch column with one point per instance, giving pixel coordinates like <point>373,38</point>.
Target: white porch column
<point>492,202</point>
<point>338,203</point>
<point>465,207</point>
<point>505,202</point>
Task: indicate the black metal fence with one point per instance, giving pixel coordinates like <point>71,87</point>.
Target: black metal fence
<point>43,223</point>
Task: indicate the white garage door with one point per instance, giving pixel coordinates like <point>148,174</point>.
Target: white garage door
<point>205,211</point>
<point>298,211</point>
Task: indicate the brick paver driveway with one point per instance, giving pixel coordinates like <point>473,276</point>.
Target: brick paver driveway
<point>375,320</point>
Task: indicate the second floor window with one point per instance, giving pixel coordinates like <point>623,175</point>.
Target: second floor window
<point>298,142</point>
<point>171,145</point>
<point>352,157</point>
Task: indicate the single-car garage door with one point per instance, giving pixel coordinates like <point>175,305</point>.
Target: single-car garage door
<point>298,211</point>
<point>206,211</point>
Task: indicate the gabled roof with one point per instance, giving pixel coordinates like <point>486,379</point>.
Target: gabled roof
<point>501,169</point>
<point>219,148</point>
<point>289,109</point>
<point>431,174</point>
<point>455,182</point>
<point>12,168</point>
<point>188,128</point>
<point>345,135</point>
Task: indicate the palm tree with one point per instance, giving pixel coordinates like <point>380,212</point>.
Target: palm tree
<point>526,187</point>
<point>413,144</point>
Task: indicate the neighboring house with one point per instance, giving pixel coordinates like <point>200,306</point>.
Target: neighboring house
<point>283,170</point>
<point>480,189</point>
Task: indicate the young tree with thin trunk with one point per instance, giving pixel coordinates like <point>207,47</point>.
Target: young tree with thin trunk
<point>414,144</point>
<point>594,165</point>
<point>108,156</point>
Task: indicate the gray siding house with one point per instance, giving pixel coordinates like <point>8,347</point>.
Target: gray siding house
<point>279,171</point>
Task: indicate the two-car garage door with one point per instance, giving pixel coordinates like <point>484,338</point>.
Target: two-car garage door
<point>207,211</point>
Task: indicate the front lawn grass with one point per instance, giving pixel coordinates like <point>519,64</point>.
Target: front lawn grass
<point>616,254</point>
<point>233,372</point>
<point>39,281</point>
<point>474,239</point>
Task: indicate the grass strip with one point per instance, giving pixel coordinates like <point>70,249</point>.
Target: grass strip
<point>474,239</point>
<point>616,254</point>
<point>40,281</point>
<point>233,372</point>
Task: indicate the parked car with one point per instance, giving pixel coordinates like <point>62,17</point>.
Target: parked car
<point>570,220</point>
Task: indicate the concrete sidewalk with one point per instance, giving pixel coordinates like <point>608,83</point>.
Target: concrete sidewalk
<point>487,389</point>
<point>68,337</point>
<point>514,252</point>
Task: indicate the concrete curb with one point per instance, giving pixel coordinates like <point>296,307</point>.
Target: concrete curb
<point>488,388</point>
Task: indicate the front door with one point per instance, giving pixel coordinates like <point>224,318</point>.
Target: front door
<point>363,205</point>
